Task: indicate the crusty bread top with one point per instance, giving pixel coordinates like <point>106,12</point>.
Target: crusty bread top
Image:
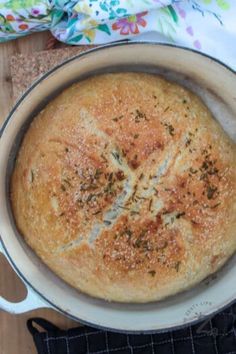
<point>125,187</point>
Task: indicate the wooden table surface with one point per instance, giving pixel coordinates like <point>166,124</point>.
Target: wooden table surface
<point>14,337</point>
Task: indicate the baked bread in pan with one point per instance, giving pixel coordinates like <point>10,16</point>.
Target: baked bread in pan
<point>124,186</point>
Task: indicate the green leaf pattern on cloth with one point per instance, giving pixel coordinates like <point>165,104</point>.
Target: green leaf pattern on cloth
<point>19,4</point>
<point>223,4</point>
<point>100,21</point>
<point>166,22</point>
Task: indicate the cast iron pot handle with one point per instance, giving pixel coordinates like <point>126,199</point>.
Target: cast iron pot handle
<point>32,300</point>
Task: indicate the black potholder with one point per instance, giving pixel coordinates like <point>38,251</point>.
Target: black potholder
<point>216,335</point>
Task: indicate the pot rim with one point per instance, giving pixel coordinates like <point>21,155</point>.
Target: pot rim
<point>99,48</point>
<point>4,126</point>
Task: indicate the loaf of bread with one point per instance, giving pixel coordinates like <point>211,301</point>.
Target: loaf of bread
<point>125,186</point>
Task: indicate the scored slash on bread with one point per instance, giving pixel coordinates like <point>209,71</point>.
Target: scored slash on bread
<point>125,187</point>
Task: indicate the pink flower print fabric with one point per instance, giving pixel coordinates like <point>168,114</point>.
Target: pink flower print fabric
<point>205,25</point>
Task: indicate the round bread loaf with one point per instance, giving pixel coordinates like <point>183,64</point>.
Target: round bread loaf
<point>124,186</point>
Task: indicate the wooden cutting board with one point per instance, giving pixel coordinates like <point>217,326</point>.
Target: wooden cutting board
<point>21,62</point>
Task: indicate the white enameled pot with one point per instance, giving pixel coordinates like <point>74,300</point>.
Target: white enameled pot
<point>216,84</point>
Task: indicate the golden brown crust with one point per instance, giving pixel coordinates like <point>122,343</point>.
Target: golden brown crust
<point>125,186</point>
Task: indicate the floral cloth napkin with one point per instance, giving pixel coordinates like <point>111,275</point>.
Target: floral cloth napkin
<point>205,25</point>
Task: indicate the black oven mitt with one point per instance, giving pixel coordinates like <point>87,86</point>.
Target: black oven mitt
<point>215,335</point>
